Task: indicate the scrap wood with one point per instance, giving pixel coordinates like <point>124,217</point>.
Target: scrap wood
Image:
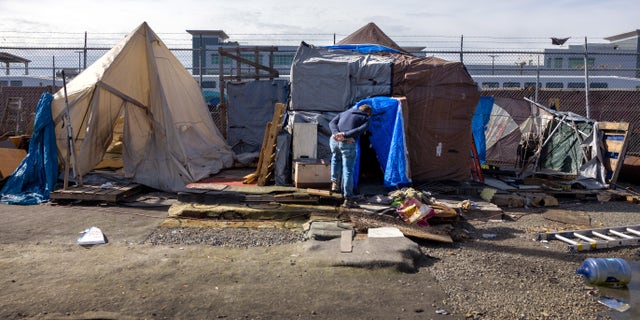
<point>364,221</point>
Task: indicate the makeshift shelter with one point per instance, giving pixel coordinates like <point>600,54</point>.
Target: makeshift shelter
<point>503,128</point>
<point>169,138</point>
<point>535,139</point>
<point>440,98</point>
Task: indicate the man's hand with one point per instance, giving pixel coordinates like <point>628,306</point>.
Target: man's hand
<point>339,136</point>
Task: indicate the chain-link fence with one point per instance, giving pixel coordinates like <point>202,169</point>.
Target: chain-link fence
<point>596,78</point>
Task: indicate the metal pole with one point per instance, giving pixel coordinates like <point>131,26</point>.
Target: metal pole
<point>586,78</point>
<point>493,60</point>
<point>53,73</point>
<point>461,46</point>
<point>84,66</point>
<point>537,79</point>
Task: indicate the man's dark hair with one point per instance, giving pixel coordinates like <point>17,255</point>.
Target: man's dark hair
<point>366,108</point>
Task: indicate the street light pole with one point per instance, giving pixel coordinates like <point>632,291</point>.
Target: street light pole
<point>493,59</point>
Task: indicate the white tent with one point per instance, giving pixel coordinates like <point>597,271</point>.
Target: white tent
<point>169,137</point>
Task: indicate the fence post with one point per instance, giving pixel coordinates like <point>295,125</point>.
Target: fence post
<point>461,46</point>
<point>586,78</point>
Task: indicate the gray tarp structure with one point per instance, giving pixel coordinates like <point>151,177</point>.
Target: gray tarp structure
<point>441,97</point>
<point>333,80</point>
<point>169,137</point>
<point>250,107</point>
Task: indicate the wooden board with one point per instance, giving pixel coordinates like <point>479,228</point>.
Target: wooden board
<point>96,193</point>
<point>614,137</point>
<point>364,221</point>
<point>10,159</point>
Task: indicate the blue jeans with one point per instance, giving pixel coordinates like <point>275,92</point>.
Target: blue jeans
<point>343,160</point>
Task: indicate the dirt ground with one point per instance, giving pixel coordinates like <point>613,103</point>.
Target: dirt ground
<point>45,274</point>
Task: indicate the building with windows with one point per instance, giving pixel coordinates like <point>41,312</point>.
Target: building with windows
<point>610,65</point>
<point>206,45</point>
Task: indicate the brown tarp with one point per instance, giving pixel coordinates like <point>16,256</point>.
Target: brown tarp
<point>442,98</point>
<point>371,34</point>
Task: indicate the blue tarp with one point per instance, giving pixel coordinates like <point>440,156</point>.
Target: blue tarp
<point>387,139</point>
<point>363,48</point>
<point>479,126</point>
<point>37,174</point>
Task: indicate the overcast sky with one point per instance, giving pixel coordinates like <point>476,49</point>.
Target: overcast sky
<point>499,18</point>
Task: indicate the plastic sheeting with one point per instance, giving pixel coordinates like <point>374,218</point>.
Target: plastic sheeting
<point>388,140</point>
<point>251,106</point>
<point>327,80</point>
<point>37,174</point>
<point>363,48</point>
<point>479,126</point>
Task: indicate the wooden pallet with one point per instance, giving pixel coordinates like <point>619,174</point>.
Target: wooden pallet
<point>264,170</point>
<point>615,144</point>
<point>96,193</point>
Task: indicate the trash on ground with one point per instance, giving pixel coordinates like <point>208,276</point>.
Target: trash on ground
<point>91,236</point>
<point>384,232</point>
<point>613,303</point>
<point>606,271</point>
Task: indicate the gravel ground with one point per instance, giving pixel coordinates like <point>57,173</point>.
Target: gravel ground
<point>225,237</point>
<point>495,270</point>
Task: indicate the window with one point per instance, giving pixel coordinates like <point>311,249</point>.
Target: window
<point>208,84</point>
<point>554,85</point>
<point>575,85</point>
<point>555,63</point>
<point>511,85</point>
<point>490,85</point>
<point>251,57</point>
<point>15,83</point>
<point>578,63</point>
<point>532,85</point>
<point>598,85</point>
<point>282,59</point>
<point>4,83</point>
<point>215,59</point>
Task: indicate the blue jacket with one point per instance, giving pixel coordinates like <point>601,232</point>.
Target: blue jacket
<point>352,122</point>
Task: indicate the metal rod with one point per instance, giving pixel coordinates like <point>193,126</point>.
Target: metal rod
<point>586,79</point>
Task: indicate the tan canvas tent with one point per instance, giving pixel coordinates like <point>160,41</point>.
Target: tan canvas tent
<point>169,138</point>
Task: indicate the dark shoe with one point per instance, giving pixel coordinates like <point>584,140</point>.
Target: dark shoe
<point>335,187</point>
<point>351,204</point>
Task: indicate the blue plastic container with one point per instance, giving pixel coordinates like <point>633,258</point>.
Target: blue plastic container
<point>606,271</point>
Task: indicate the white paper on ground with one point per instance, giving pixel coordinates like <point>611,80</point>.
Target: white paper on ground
<point>92,235</point>
<point>384,232</point>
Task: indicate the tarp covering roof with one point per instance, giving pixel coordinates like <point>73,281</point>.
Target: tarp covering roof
<point>169,138</point>
<point>371,34</point>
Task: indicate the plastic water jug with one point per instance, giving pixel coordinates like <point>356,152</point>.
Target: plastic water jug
<point>606,271</point>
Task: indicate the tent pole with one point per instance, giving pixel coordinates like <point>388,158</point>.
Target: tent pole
<point>71,153</point>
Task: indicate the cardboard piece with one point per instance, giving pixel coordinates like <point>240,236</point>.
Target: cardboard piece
<point>10,159</point>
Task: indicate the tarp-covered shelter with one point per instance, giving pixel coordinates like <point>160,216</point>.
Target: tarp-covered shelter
<point>169,137</point>
<point>536,139</point>
<point>440,99</point>
<point>503,128</point>
<point>371,34</point>
<point>330,80</point>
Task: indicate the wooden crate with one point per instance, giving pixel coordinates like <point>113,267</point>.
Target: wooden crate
<point>308,174</point>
